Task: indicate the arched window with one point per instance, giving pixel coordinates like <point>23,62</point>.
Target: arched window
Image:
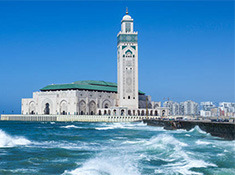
<point>142,113</point>
<point>122,112</point>
<point>156,113</point>
<point>163,113</point>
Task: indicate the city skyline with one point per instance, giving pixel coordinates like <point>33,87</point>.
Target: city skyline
<point>54,46</point>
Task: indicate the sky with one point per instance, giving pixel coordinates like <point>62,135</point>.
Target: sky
<point>186,48</point>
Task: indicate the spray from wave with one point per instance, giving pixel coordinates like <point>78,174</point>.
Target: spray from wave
<point>198,130</point>
<point>11,141</point>
<point>107,165</point>
<point>174,153</point>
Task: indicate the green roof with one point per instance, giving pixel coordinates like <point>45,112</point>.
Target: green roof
<point>85,85</point>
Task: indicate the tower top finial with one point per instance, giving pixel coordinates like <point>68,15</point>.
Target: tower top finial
<point>126,10</point>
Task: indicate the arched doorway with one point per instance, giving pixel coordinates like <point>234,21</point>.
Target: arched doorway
<point>106,104</point>
<point>151,113</point>
<point>105,112</point>
<point>32,108</point>
<point>100,112</point>
<point>129,112</point>
<point>92,108</point>
<point>163,112</point>
<point>82,107</point>
<point>47,109</point>
<point>63,107</point>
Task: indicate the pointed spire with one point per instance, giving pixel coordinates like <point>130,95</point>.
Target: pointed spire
<point>126,10</point>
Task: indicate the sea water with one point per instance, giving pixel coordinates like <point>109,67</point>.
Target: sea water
<point>110,149</point>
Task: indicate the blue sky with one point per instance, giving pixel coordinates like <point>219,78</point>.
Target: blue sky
<point>186,48</point>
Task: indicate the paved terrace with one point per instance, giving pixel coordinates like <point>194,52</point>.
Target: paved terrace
<point>69,118</point>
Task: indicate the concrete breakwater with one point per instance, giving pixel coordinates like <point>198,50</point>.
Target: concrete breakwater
<point>225,130</point>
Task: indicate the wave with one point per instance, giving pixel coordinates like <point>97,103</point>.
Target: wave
<point>198,130</point>
<point>131,126</point>
<point>11,141</point>
<point>107,165</point>
<point>70,126</point>
<point>162,140</point>
<point>174,153</point>
<point>199,142</point>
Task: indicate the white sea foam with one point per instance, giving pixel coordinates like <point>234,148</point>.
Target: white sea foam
<point>172,151</point>
<point>107,165</point>
<point>111,126</point>
<point>11,141</point>
<point>70,126</point>
<point>131,126</point>
<point>23,170</point>
<point>200,142</point>
<point>162,140</point>
<point>197,129</point>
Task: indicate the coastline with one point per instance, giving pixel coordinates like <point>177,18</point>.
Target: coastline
<point>224,130</point>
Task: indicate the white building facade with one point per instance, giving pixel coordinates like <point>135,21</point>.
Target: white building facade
<point>189,108</point>
<point>174,107</point>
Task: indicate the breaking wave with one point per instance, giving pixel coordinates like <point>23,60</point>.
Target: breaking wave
<point>172,151</point>
<point>131,126</point>
<point>70,126</point>
<point>11,141</point>
<point>198,130</point>
<point>107,166</point>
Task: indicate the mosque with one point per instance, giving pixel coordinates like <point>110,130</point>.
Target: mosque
<point>100,97</point>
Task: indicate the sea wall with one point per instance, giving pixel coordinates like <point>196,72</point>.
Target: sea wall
<point>69,118</point>
<point>225,130</point>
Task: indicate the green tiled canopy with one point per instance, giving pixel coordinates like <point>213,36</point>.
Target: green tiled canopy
<point>85,85</point>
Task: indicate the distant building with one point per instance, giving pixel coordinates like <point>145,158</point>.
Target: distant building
<point>173,107</point>
<point>207,106</point>
<point>189,108</point>
<point>214,112</point>
<point>205,113</point>
<point>227,109</point>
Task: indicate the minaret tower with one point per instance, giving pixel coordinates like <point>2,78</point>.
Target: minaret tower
<point>127,64</point>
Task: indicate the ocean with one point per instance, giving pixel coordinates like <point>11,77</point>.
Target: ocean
<point>79,148</point>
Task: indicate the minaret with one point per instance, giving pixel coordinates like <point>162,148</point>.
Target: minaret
<point>127,62</point>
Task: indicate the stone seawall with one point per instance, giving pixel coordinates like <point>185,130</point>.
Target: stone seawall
<point>70,118</point>
<point>225,130</point>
